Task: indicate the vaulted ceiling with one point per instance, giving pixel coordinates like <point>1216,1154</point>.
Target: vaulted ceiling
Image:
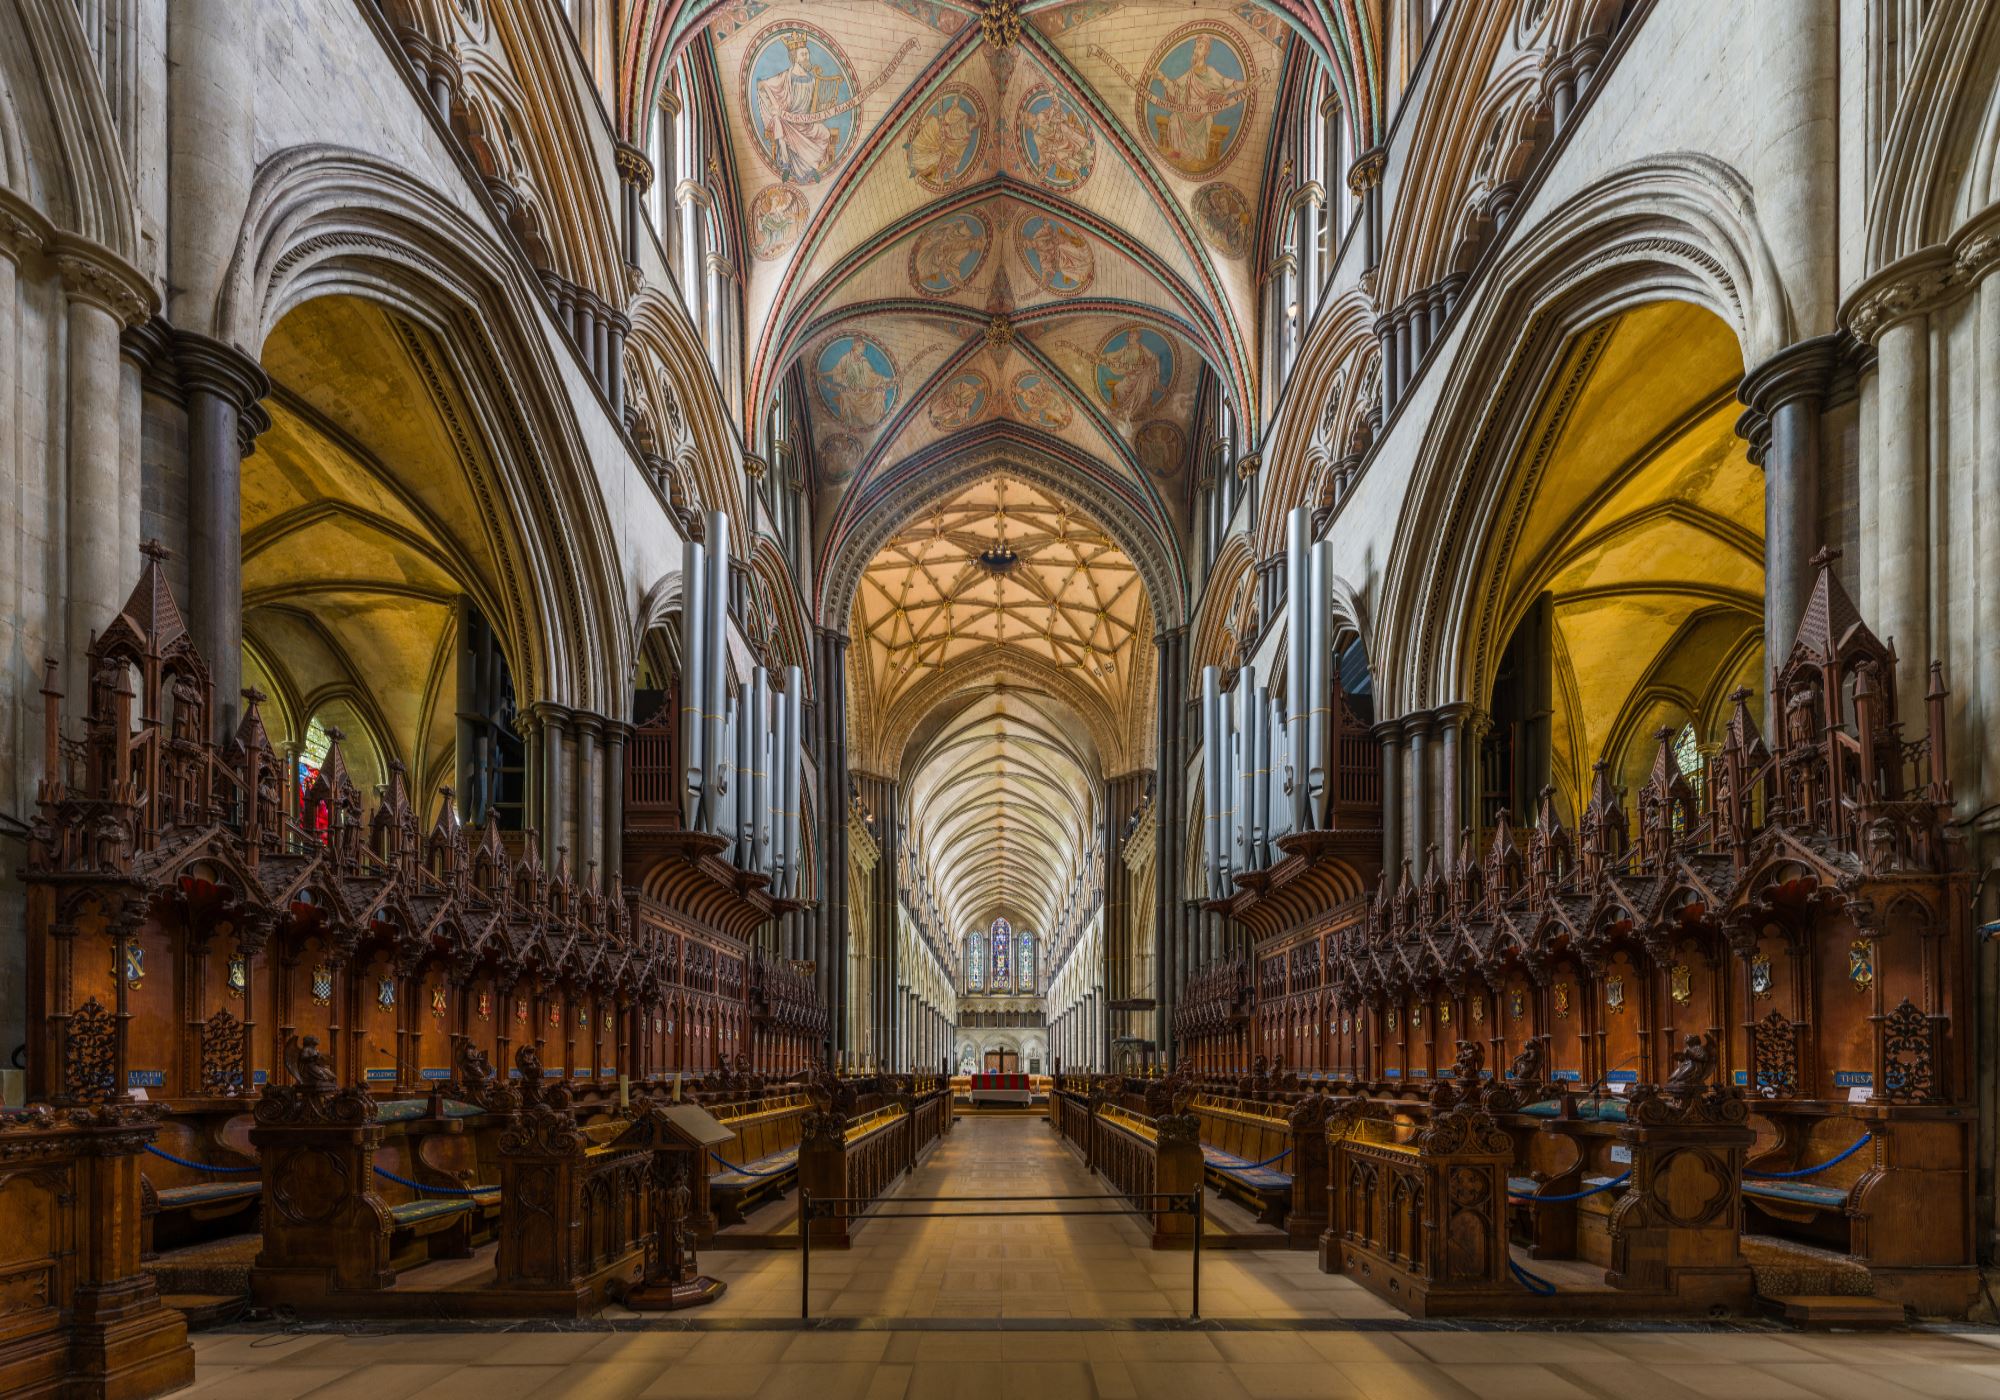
<point>1048,241</point>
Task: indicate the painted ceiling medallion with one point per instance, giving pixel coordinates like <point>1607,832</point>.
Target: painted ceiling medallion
<point>1040,401</point>
<point>1224,218</point>
<point>804,106</point>
<point>777,217</point>
<point>945,138</point>
<point>948,254</point>
<point>1162,448</point>
<point>960,400</point>
<point>1055,139</point>
<point>1197,98</point>
<point>839,455</point>
<point>1133,370</point>
<point>857,380</point>
<point>1056,253</point>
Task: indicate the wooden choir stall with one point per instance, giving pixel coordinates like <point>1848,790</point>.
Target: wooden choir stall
<point>312,997</point>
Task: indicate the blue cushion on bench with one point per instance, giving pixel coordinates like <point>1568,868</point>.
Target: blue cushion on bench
<point>417,1212</point>
<point>210,1193</point>
<point>1799,1192</point>
<point>1522,1186</point>
<point>763,1167</point>
<point>1239,1169</point>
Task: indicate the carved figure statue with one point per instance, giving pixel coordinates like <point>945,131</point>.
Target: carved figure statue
<point>1694,1066</point>
<point>1533,1061</point>
<point>1471,1062</point>
<point>309,1067</point>
<point>474,1065</point>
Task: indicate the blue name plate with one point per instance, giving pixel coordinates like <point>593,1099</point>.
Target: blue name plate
<point>1854,1078</point>
<point>434,1073</point>
<point>1395,1074</point>
<point>1622,1076</point>
<point>145,1079</point>
<point>1742,1076</point>
<point>381,1076</point>
<point>1420,1074</point>
<point>1567,1076</point>
<point>608,1071</point>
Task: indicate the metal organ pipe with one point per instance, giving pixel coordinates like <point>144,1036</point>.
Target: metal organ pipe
<point>795,699</point>
<point>1243,715</point>
<point>1298,543</point>
<point>715,697</point>
<point>694,658</point>
<point>1259,701</point>
<point>1212,741</point>
<point>1277,802</point>
<point>1318,574</point>
<point>760,770</point>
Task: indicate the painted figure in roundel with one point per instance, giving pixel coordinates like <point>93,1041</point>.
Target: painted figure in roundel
<point>945,138</point>
<point>1133,370</point>
<point>1161,448</point>
<point>857,380</point>
<point>839,455</point>
<point>946,255</point>
<point>798,88</point>
<point>1223,216</point>
<point>1057,254</point>
<point>777,217</point>
<point>959,400</point>
<point>1196,100</point>
<point>1039,401</point>
<point>1056,139</point>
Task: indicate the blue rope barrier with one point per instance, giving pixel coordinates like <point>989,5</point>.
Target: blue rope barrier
<point>1574,1195</point>
<point>199,1166</point>
<point>1860,1143</point>
<point>1255,1166</point>
<point>731,1166</point>
<point>1534,1283</point>
<point>423,1186</point>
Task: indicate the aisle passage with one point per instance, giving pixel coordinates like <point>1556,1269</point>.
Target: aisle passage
<point>1038,1266</point>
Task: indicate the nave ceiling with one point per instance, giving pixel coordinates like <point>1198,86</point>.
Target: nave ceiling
<point>1050,242</point>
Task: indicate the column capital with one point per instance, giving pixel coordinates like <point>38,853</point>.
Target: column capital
<point>212,366</point>
<point>1248,465</point>
<point>1366,172</point>
<point>1388,732</point>
<point>632,166</point>
<point>23,228</point>
<point>1417,724</point>
<point>1805,370</point>
<point>755,466</point>
<point>101,278</point>
<point>1457,713</point>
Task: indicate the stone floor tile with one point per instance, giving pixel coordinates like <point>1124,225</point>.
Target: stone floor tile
<point>1292,1380</point>
<point>1513,1381</point>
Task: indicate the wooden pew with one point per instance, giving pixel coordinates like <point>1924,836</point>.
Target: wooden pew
<point>1238,1141</point>
<point>1416,1212</point>
<point>1146,1157</point>
<point>763,1158</point>
<point>574,1212</point>
<point>850,1158</point>
<point>1898,1205</point>
<point>79,1317</point>
<point>182,1205</point>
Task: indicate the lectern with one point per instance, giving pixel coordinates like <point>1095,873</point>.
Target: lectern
<point>680,1136</point>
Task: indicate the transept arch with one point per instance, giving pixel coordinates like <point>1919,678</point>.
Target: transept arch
<point>1675,228</point>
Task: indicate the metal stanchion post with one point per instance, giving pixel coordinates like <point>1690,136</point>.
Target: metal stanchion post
<point>805,1253</point>
<point>1200,1225</point>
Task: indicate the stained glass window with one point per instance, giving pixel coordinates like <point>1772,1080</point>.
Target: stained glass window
<point>312,753</point>
<point>1024,958</point>
<point>975,962</point>
<point>1687,753</point>
<point>1002,936</point>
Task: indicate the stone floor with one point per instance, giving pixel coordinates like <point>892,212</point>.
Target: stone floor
<point>1043,1308</point>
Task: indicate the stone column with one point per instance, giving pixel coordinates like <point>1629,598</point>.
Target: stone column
<point>1781,421</point>
<point>1170,913</point>
<point>102,298</point>
<point>553,721</point>
<point>586,728</point>
<point>1903,506</point>
<point>212,52</point>
<point>1417,814</point>
<point>615,734</point>
<point>1389,734</point>
<point>222,386</point>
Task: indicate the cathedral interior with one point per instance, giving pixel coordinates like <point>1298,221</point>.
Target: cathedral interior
<point>919,697</point>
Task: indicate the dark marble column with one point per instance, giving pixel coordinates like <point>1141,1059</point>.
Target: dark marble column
<point>1781,422</point>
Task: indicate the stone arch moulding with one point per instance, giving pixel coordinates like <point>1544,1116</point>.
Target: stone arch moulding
<point>899,727</point>
<point>663,328</point>
<point>1159,569</point>
<point>1678,227</point>
<point>1328,383</point>
<point>327,221</point>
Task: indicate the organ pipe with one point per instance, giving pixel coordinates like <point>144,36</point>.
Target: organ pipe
<point>1319,576</point>
<point>1243,719</point>
<point>1298,543</point>
<point>715,676</point>
<point>694,661</point>
<point>760,771</point>
<point>1212,742</point>
<point>795,693</point>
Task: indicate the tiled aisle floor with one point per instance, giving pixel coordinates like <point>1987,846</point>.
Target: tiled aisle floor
<point>1084,1276</point>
